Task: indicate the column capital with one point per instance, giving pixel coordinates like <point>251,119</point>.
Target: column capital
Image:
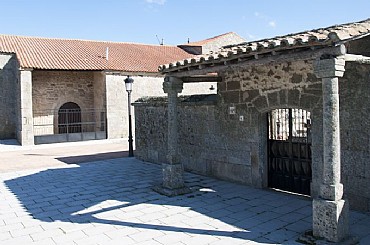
<point>332,67</point>
<point>174,84</point>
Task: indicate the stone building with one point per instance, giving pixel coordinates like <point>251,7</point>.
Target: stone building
<point>290,113</point>
<point>57,90</point>
<point>212,44</point>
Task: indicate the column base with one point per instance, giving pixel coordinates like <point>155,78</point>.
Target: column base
<point>173,176</point>
<point>309,238</point>
<point>26,138</point>
<point>173,181</point>
<point>331,192</point>
<point>171,192</point>
<point>330,219</point>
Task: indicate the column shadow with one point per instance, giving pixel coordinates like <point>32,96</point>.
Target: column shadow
<point>77,194</point>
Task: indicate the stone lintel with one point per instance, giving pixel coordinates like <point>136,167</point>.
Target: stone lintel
<point>172,84</point>
<point>331,192</point>
<point>333,67</point>
<point>330,220</point>
<point>201,78</point>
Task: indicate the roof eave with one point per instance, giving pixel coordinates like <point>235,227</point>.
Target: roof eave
<point>202,62</point>
<point>307,52</point>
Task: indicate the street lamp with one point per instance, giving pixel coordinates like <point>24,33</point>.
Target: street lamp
<point>128,84</point>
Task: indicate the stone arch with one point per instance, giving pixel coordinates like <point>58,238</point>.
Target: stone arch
<point>60,102</point>
<point>63,100</point>
<point>292,98</point>
<point>309,99</point>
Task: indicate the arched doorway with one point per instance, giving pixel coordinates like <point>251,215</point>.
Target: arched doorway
<point>69,118</point>
<point>289,150</point>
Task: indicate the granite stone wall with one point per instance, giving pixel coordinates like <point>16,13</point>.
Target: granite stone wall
<point>52,89</point>
<point>9,78</point>
<point>216,142</point>
<point>204,142</point>
<point>355,134</point>
<point>143,86</point>
<point>213,141</point>
<point>255,90</point>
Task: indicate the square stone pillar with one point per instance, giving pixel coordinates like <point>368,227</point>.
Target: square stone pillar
<point>25,133</point>
<point>330,211</point>
<point>116,106</point>
<point>173,170</point>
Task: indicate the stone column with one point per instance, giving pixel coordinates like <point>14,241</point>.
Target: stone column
<point>330,211</point>
<point>173,181</point>
<point>25,133</point>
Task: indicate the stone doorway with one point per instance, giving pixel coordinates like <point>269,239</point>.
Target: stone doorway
<point>289,150</point>
<point>69,118</point>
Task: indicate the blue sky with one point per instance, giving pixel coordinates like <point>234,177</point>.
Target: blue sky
<point>175,21</point>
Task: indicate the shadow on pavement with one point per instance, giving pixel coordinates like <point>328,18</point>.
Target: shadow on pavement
<point>86,193</point>
<point>93,157</point>
<point>85,158</point>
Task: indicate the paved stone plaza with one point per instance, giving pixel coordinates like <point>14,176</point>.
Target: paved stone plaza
<point>111,202</point>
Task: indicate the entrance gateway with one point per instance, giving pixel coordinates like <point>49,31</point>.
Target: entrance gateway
<point>289,150</point>
<point>69,118</point>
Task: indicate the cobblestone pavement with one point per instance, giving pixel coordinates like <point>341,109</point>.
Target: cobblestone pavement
<point>111,202</point>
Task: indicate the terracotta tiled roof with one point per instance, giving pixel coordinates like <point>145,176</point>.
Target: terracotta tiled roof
<point>65,54</point>
<point>319,37</point>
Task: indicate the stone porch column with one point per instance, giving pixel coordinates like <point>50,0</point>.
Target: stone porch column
<point>330,211</point>
<point>25,133</point>
<point>173,181</point>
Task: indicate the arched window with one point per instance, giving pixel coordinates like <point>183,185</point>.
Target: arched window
<point>69,118</point>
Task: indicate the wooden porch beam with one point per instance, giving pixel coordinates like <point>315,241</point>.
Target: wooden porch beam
<point>201,78</point>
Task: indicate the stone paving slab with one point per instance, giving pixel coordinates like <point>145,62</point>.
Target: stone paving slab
<point>14,157</point>
<point>111,202</point>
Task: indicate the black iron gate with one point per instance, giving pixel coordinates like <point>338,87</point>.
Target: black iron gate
<point>289,150</point>
<point>69,118</point>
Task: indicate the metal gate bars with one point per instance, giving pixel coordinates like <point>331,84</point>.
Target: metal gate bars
<point>289,150</point>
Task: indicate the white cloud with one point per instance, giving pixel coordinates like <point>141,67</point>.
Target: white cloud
<point>267,19</point>
<point>159,2</point>
<point>272,24</point>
